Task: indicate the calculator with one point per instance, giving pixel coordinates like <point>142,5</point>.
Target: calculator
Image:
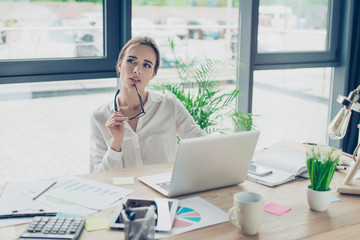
<point>59,228</point>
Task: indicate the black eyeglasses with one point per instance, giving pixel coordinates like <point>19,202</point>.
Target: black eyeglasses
<point>142,113</point>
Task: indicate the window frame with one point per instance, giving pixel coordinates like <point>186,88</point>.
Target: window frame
<point>301,59</point>
<point>247,50</point>
<point>338,55</point>
<point>117,30</point>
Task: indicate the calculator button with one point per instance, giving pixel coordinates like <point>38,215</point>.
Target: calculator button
<point>54,228</point>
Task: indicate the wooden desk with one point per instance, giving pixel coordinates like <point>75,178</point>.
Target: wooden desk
<point>341,220</point>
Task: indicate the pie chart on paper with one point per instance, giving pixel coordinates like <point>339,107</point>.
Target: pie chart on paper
<point>186,217</point>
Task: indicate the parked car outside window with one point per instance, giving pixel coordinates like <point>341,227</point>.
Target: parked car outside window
<point>204,29</point>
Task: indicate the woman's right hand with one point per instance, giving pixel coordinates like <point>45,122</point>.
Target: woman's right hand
<point>115,126</point>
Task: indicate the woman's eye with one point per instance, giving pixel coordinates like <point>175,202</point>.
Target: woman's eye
<point>131,61</point>
<point>147,65</point>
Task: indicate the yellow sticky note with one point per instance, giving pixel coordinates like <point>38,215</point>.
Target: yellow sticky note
<point>123,180</point>
<point>96,224</point>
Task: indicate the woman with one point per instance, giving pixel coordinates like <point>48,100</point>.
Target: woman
<point>140,127</point>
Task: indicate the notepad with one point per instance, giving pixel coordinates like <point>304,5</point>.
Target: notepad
<point>123,180</point>
<point>96,224</point>
<point>276,209</point>
<point>286,165</point>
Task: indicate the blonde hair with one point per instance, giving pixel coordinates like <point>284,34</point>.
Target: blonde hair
<point>141,40</point>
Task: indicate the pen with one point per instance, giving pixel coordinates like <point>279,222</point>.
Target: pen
<point>43,191</point>
<point>130,214</point>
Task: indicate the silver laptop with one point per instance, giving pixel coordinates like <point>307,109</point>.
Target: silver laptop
<point>207,163</point>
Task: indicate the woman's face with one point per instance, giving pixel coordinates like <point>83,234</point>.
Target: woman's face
<point>137,66</point>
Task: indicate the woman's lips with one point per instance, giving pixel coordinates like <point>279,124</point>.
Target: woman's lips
<point>134,80</point>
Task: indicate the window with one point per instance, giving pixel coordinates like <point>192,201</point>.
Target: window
<point>45,120</point>
<point>66,41</point>
<point>293,26</point>
<point>33,30</point>
<point>305,40</point>
<point>292,104</point>
<point>290,62</point>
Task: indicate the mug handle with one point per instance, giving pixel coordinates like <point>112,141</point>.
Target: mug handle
<point>232,218</point>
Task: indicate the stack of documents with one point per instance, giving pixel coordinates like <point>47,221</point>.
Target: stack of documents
<point>70,195</point>
<point>286,165</point>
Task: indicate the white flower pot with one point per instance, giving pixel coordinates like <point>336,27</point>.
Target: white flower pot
<point>318,200</point>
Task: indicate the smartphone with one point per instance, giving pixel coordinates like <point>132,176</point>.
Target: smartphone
<point>259,170</point>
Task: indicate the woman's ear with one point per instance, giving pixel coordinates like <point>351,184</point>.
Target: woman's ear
<point>154,74</point>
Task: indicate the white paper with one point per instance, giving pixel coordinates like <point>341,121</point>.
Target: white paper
<point>284,159</point>
<point>19,196</point>
<point>194,213</point>
<point>87,193</point>
<point>163,220</point>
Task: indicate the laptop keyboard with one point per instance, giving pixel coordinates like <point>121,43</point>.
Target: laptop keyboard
<point>164,185</point>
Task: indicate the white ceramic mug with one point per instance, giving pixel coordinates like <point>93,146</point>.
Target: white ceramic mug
<point>247,212</point>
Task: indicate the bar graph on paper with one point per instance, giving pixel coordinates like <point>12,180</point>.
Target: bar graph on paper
<point>87,193</point>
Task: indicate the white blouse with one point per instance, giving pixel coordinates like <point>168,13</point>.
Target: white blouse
<point>155,138</point>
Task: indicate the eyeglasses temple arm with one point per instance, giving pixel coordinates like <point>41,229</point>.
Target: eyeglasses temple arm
<point>115,100</point>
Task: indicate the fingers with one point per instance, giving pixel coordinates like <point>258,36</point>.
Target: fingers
<point>119,116</point>
<point>121,119</point>
<point>116,119</point>
<point>113,122</point>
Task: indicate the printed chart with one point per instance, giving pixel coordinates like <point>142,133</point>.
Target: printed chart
<point>87,193</point>
<point>194,213</point>
<point>186,217</point>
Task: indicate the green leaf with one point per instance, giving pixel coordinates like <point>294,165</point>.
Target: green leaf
<point>321,169</point>
<point>202,96</point>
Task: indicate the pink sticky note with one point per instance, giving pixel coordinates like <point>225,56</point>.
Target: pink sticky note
<point>276,209</point>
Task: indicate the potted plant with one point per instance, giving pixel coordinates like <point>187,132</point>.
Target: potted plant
<point>321,161</point>
<point>203,97</point>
